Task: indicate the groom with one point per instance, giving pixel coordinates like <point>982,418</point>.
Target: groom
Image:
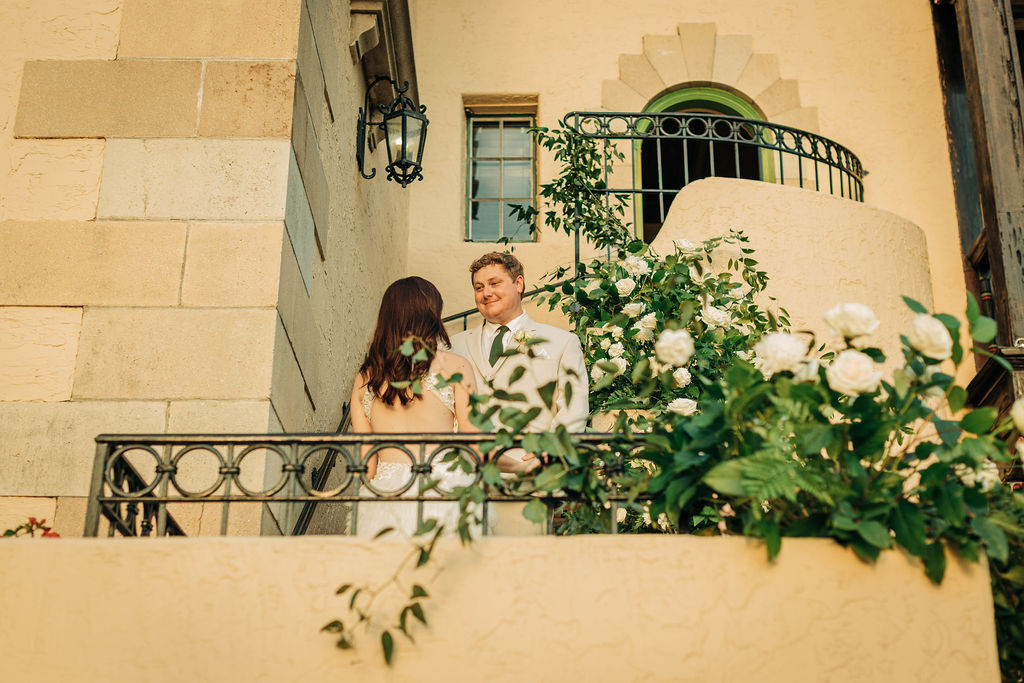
<point>498,286</point>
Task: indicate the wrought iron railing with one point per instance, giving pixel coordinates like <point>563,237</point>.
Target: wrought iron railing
<point>177,471</point>
<point>720,142</point>
<point>134,515</point>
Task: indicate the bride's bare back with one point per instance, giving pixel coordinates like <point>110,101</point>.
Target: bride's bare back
<point>426,414</point>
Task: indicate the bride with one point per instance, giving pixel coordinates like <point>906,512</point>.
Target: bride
<point>411,307</point>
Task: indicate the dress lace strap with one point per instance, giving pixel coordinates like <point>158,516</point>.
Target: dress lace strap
<point>445,394</point>
<point>367,402</point>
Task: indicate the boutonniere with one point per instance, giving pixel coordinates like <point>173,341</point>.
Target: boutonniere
<point>532,350</point>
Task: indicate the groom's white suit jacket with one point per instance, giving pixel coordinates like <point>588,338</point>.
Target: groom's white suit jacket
<point>556,356</point>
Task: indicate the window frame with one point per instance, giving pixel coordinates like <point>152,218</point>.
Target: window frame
<point>501,200</point>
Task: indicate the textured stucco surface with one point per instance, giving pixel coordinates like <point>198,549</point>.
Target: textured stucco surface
<point>838,56</point>
<point>818,251</point>
<point>542,609</point>
<point>38,347</point>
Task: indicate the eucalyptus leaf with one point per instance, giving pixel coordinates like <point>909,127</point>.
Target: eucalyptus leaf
<point>995,539</point>
<point>536,511</point>
<point>934,557</point>
<point>979,420</point>
<point>874,533</point>
<point>726,477</point>
<point>547,393</point>
<point>957,399</point>
<point>915,306</point>
<point>983,330</point>
<point>388,646</point>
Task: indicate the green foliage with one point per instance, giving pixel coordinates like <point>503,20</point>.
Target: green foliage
<point>770,451</point>
<point>619,307</point>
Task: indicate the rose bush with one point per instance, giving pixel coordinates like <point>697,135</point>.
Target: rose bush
<point>690,313</point>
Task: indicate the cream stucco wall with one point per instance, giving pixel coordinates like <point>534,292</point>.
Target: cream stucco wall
<point>863,74</point>
<point>819,251</point>
<point>653,608</point>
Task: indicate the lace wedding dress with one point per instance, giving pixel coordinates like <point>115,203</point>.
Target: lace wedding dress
<point>391,477</point>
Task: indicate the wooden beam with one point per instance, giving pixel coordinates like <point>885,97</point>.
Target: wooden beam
<point>993,79</point>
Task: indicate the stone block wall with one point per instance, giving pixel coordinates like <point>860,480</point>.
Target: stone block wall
<point>179,224</point>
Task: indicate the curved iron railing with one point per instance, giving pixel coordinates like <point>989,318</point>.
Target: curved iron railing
<point>232,462</point>
<point>831,166</point>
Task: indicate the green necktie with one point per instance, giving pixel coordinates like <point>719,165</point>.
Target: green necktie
<point>497,346</point>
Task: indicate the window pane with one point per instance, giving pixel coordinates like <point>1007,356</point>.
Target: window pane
<point>516,140</point>
<point>484,183</point>
<point>518,179</point>
<point>483,221</point>
<point>485,139</point>
<point>515,230</point>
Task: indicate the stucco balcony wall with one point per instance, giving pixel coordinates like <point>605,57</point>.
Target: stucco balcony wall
<point>818,251</point>
<point>539,609</point>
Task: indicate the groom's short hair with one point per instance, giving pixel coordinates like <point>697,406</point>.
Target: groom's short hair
<point>496,258</point>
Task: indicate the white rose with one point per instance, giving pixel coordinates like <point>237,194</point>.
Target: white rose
<point>715,317</point>
<point>634,309</point>
<point>614,331</point>
<point>625,286</point>
<point>807,371</point>
<point>684,245</point>
<point>683,406</point>
<point>634,265</point>
<point>682,377</point>
<point>1017,414</point>
<point>853,372</point>
<point>745,355</point>
<point>643,334</point>
<point>621,364</point>
<point>596,373</point>
<point>851,320</point>
<point>988,476</point>
<point>674,347</point>
<point>615,350</point>
<point>780,352</point>
<point>930,337</point>
<point>648,322</point>
<point>605,343</point>
<point>966,475</point>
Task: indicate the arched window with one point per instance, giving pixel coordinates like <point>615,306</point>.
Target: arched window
<point>690,148</point>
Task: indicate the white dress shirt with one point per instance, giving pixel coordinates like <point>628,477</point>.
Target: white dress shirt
<point>491,330</point>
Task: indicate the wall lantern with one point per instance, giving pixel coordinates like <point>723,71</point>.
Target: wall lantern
<point>405,130</point>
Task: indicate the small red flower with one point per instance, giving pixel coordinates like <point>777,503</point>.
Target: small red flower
<point>33,522</point>
<point>50,534</point>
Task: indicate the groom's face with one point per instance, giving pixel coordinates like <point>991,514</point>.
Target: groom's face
<point>498,296</point>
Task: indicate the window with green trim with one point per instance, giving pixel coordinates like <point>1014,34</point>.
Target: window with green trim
<point>500,174</point>
<point>667,164</point>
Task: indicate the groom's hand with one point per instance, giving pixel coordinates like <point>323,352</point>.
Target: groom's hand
<point>517,461</point>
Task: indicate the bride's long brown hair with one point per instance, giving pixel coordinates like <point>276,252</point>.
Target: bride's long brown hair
<point>410,307</point>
